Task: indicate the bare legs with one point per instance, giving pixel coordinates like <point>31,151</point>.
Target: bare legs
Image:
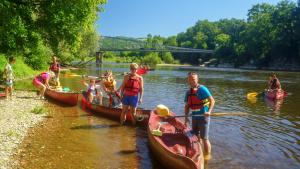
<point>8,91</point>
<point>132,111</point>
<point>98,96</point>
<point>207,146</point>
<point>123,115</point>
<point>42,89</point>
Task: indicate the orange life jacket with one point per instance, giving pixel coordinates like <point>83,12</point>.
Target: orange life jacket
<point>110,84</point>
<point>193,101</point>
<point>132,86</point>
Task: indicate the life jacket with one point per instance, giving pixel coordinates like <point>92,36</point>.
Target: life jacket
<point>132,86</point>
<point>110,84</point>
<point>54,67</point>
<point>194,102</point>
<point>274,84</point>
<point>91,90</point>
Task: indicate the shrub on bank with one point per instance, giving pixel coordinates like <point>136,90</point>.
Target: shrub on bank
<point>151,59</point>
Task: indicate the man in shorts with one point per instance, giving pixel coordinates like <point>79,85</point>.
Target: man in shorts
<point>200,102</point>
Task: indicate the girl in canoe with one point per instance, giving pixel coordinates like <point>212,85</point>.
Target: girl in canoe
<point>42,82</point>
<point>131,87</point>
<point>109,86</point>
<point>93,93</point>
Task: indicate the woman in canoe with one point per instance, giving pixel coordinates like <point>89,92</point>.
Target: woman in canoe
<point>131,87</point>
<point>199,101</point>
<point>93,92</point>
<point>109,86</point>
<point>274,83</point>
<point>42,82</point>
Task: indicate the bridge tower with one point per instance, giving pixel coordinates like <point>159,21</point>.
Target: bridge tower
<point>99,57</point>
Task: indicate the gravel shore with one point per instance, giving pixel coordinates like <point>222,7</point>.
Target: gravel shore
<point>16,117</point>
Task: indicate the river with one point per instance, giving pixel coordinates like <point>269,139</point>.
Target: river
<point>269,137</point>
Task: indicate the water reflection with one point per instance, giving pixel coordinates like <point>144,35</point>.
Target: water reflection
<point>274,105</point>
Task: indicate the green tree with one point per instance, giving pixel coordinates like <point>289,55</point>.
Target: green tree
<point>167,58</point>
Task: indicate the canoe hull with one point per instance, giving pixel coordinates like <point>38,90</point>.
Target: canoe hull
<point>115,113</point>
<point>275,95</point>
<point>68,98</point>
<point>173,149</point>
<point>2,95</point>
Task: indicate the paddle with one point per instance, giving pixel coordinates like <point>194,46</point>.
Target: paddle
<point>213,114</point>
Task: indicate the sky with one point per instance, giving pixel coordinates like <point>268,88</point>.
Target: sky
<point>138,18</point>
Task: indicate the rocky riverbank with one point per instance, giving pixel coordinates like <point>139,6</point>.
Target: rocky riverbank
<point>18,115</point>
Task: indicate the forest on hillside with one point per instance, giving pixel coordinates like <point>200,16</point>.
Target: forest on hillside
<point>270,36</point>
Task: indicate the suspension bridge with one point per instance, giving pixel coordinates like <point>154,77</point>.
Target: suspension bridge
<point>120,44</point>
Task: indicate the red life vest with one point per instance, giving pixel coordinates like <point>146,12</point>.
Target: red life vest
<point>132,86</point>
<point>193,101</point>
<point>54,67</point>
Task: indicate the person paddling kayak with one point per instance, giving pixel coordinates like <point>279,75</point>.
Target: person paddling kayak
<point>273,82</point>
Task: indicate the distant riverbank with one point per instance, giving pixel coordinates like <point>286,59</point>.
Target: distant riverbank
<point>230,66</point>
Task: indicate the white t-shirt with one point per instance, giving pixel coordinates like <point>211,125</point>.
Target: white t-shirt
<point>8,74</point>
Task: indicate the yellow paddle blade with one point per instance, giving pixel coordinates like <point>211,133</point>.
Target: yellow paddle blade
<point>252,95</point>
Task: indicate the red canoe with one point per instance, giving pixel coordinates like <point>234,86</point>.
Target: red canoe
<point>2,95</point>
<point>176,148</point>
<point>275,95</point>
<point>69,98</point>
<point>115,113</point>
<point>142,71</point>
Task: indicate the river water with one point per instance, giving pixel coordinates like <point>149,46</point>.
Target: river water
<point>269,137</point>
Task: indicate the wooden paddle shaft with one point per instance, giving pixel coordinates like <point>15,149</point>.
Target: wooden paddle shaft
<point>213,114</point>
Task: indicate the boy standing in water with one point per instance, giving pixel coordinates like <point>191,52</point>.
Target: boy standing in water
<point>8,76</point>
<point>199,101</point>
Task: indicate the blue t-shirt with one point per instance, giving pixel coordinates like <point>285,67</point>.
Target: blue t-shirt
<point>202,93</point>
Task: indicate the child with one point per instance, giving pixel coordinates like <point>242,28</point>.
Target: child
<point>93,91</point>
<point>8,76</point>
<point>109,86</point>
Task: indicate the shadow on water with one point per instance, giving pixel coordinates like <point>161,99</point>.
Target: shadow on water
<point>47,117</point>
<point>126,152</point>
<point>95,126</point>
